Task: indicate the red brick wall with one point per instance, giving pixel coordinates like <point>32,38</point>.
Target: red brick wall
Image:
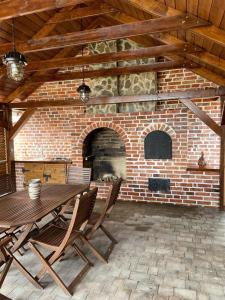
<point>60,132</point>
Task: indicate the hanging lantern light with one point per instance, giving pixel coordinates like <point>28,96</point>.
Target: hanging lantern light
<point>84,90</point>
<point>14,61</point>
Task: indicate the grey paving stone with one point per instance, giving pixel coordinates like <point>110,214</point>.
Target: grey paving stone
<point>164,253</point>
<point>185,294</point>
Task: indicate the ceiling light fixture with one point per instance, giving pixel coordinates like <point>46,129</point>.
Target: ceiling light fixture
<point>14,61</point>
<point>84,90</point>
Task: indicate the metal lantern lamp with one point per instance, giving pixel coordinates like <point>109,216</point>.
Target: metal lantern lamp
<point>14,61</point>
<point>84,90</point>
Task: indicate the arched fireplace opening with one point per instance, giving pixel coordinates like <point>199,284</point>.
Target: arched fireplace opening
<point>104,152</point>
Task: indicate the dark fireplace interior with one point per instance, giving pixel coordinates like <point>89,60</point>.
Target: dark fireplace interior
<point>104,152</point>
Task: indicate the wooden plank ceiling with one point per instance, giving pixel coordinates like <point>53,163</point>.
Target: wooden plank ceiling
<point>193,30</point>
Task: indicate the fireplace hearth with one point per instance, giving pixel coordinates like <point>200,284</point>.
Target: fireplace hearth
<point>104,152</point>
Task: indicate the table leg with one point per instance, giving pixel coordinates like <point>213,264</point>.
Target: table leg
<point>22,237</point>
<point>24,271</point>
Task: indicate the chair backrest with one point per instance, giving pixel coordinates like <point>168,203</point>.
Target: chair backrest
<point>77,175</point>
<point>110,202</point>
<point>5,259</point>
<point>81,213</point>
<point>113,195</point>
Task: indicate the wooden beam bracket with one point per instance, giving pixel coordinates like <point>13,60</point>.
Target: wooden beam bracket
<point>202,116</point>
<point>21,122</point>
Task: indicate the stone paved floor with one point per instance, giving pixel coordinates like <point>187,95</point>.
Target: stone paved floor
<point>164,252</point>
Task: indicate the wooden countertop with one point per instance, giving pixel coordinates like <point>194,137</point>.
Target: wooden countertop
<point>57,161</point>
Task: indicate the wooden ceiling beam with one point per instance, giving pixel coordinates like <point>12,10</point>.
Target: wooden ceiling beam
<point>164,24</point>
<point>207,60</point>
<point>84,12</point>
<point>110,57</point>
<point>26,89</point>
<point>168,39</point>
<point>14,8</point>
<point>159,9</point>
<point>159,66</point>
<point>189,94</point>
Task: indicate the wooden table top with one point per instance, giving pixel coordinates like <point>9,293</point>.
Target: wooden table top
<point>18,209</point>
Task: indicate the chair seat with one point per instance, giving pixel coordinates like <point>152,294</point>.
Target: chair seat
<point>94,218</point>
<point>2,230</point>
<point>52,236</point>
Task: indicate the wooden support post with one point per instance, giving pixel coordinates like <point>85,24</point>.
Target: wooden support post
<point>222,156</point>
<point>222,169</point>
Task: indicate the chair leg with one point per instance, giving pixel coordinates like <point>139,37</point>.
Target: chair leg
<point>108,234</point>
<point>5,271</point>
<point>51,259</point>
<point>21,268</point>
<point>93,249</point>
<point>48,269</point>
<point>82,255</point>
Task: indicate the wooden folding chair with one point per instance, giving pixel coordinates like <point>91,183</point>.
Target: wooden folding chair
<point>77,175</point>
<point>96,220</point>
<point>7,258</point>
<point>56,239</point>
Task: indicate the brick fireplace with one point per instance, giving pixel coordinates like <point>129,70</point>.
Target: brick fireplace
<point>104,152</point>
<point>63,132</point>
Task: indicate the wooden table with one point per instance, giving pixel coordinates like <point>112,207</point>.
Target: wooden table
<point>18,209</point>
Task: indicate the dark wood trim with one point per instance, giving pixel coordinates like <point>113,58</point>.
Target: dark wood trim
<point>84,12</point>
<point>15,8</point>
<point>201,170</point>
<point>222,110</point>
<point>202,116</point>
<point>190,94</point>
<point>158,66</point>
<point>222,169</point>
<point>21,122</point>
<point>45,103</point>
<point>164,24</point>
<point>57,161</point>
<point>110,57</point>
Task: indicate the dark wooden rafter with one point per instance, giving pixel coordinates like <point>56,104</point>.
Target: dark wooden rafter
<point>26,87</point>
<point>206,60</point>
<point>190,94</point>
<point>110,57</point>
<point>164,24</point>
<point>15,8</point>
<point>21,122</point>
<point>171,40</point>
<point>84,12</point>
<point>159,9</point>
<point>154,67</point>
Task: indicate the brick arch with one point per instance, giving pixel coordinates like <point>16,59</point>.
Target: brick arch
<point>120,131</point>
<point>157,126</point>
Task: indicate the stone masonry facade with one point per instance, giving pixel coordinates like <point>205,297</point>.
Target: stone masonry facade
<point>61,131</point>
